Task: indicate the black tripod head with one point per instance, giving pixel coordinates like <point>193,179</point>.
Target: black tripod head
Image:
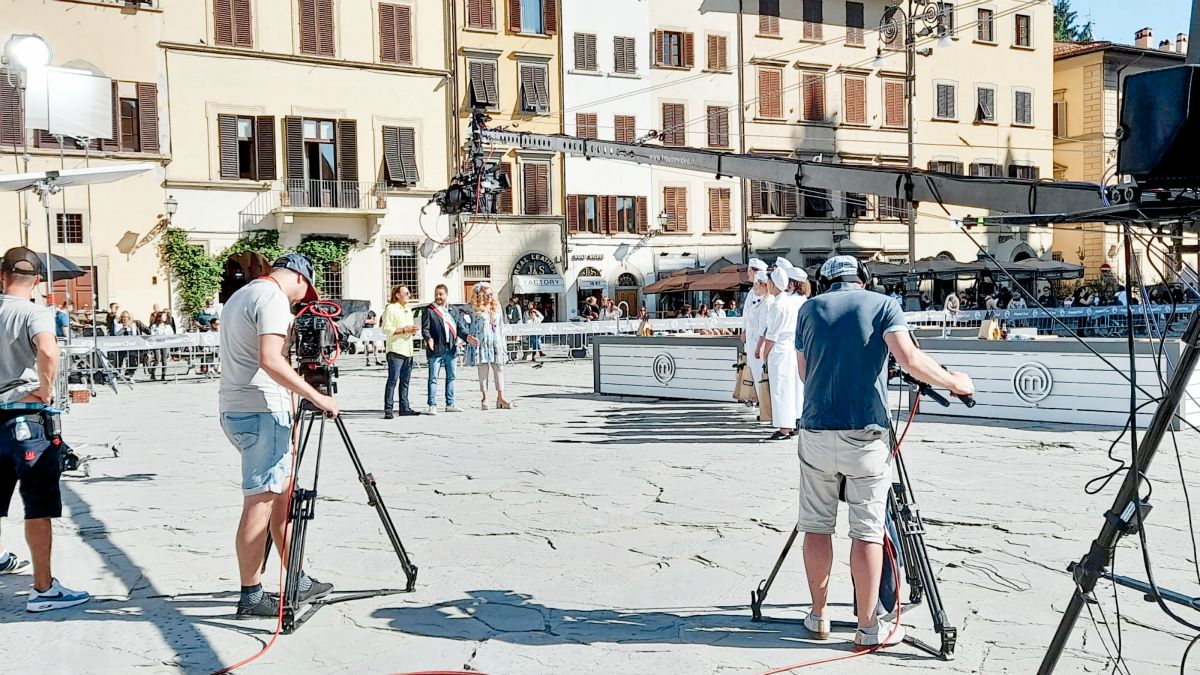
<point>922,388</point>
<point>320,376</point>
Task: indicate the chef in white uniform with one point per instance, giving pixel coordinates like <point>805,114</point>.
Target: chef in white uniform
<point>754,316</point>
<point>779,350</point>
<point>798,292</point>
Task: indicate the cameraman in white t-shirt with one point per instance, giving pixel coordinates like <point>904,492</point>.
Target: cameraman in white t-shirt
<point>257,380</point>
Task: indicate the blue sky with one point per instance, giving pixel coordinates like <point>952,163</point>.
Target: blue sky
<point>1116,20</point>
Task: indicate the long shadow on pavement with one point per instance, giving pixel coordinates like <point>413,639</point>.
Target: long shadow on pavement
<point>193,651</point>
<point>667,423</point>
<point>511,617</point>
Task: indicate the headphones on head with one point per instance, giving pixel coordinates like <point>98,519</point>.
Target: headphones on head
<point>861,272</point>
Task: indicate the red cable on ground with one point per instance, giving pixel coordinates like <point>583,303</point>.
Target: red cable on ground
<point>890,549</point>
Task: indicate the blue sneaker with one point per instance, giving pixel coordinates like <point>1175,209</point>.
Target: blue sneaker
<point>55,597</point>
<point>11,564</point>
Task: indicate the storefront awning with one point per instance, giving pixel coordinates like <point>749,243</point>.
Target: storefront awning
<point>546,283</point>
<point>591,284</point>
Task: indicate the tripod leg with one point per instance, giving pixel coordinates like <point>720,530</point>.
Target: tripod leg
<point>376,500</point>
<point>758,596</point>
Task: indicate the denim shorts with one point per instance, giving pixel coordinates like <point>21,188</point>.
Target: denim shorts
<point>265,441</point>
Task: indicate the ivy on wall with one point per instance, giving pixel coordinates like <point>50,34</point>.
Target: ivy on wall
<point>198,274</point>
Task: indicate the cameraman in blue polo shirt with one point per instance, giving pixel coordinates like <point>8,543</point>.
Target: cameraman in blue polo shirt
<point>843,337</point>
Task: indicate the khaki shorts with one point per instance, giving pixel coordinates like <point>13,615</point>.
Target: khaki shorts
<point>860,456</point>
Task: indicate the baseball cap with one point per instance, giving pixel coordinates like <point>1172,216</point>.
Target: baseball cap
<point>302,266</point>
<point>840,266</point>
<point>21,260</point>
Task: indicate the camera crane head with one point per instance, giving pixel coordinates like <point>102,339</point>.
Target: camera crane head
<point>476,188</point>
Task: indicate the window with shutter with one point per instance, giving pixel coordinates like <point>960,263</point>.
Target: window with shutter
<point>573,214</point>
<point>986,170</point>
<point>1024,171</point>
<point>229,143</point>
<point>347,150</point>
<point>770,92</point>
<point>504,201</point>
<point>816,203</point>
<point>482,82</point>
<point>624,55</point>
<point>689,50</point>
<point>985,105</point>
<point>718,126</point>
<point>481,14</point>
<point>641,208</point>
<point>587,125</point>
<point>946,166</point>
<point>894,112</point>
<point>718,53</point>
<point>264,147</point>
<point>675,204</point>
<point>535,90</point>
<point>719,219</point>
<point>768,18</point>
<point>400,156</point>
<point>12,123</point>
<point>585,51</point>
<point>674,131</point>
<point>293,147</point>
<point>233,25</point>
<point>1022,25</point>
<point>856,100</point>
<point>1060,114</point>
<point>147,114</point>
<point>814,16</point>
<point>626,128</point>
<point>395,34</point>
<point>892,208</point>
<point>985,29</point>
<point>857,206</point>
<point>1023,107</point>
<point>946,95</point>
<point>855,24</point>
<point>535,178</point>
<point>316,27</point>
<point>814,97</point>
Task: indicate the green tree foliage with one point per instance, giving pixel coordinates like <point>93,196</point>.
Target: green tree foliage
<point>198,274</point>
<point>1066,28</point>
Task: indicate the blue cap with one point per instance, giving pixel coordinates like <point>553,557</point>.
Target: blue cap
<point>302,266</point>
<point>840,266</point>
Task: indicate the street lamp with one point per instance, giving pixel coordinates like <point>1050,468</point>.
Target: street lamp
<point>924,18</point>
<point>171,205</point>
<point>663,217</point>
<point>27,51</point>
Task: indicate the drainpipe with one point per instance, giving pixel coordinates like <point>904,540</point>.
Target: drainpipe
<point>741,78</point>
<point>455,131</point>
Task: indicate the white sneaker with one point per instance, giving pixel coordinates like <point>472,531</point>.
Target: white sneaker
<point>817,625</point>
<point>433,410</point>
<point>453,408</point>
<point>55,597</point>
<point>882,634</point>
<point>882,614</point>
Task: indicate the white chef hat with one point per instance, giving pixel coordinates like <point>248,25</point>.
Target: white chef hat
<point>757,264</point>
<point>784,263</point>
<point>779,277</point>
<point>761,275</point>
<point>797,274</point>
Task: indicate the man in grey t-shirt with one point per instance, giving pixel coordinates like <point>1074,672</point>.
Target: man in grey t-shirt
<point>257,380</point>
<point>28,370</point>
<point>843,337</point>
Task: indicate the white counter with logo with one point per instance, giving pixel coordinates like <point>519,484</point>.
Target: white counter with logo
<point>1058,380</point>
<point>693,367</point>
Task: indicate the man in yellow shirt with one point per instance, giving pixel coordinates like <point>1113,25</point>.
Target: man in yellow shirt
<point>399,328</point>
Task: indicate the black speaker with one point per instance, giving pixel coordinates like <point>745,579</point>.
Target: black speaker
<point>1160,128</point>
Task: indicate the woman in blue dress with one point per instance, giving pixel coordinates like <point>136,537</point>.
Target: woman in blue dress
<point>486,343</point>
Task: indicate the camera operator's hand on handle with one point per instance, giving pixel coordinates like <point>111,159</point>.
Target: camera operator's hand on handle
<point>277,366</point>
<point>922,367</point>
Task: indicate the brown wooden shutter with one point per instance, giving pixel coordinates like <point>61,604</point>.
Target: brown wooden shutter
<point>681,210</point>
<point>814,97</point>
<point>856,100</point>
<point>643,217</point>
<point>475,13</point>
<point>770,93</point>
<point>550,16</point>
<point>392,163</point>
<point>514,16</point>
<point>722,53</point>
<point>293,147</point>
<point>572,213</point>
<point>855,24</point>
<point>404,34</point>
<point>487,14</point>
<point>893,97</point>
<point>243,24</point>
<point>586,125</point>
<point>347,150</point>
<point>689,50</point>
<point>543,188</point>
<point>529,188</point>
<point>227,137</point>
<point>768,17</point>
<point>712,52</point>
<point>626,128</point>
<point>504,203</point>
<point>619,65</point>
<point>308,26</point>
<point>147,98</point>
<point>12,122</point>
<point>223,22</point>
<point>325,28</point>
<point>714,209</point>
<point>114,144</point>
<point>264,146</point>
<point>813,18</point>
<point>387,33</point>
<point>610,213</point>
<point>791,200</point>
<point>669,207</point>
<point>756,194</point>
<point>656,38</point>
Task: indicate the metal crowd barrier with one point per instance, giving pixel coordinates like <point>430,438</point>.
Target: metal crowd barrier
<point>1095,322</point>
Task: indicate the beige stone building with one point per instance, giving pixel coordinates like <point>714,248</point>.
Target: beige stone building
<point>314,118</point>
<point>98,228</point>
<point>506,56</point>
<point>824,83</point>
<point>1088,82</point>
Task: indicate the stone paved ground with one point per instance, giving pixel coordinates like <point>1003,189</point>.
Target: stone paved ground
<point>573,535</point>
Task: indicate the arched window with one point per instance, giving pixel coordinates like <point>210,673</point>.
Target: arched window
<point>627,280</point>
<point>589,272</point>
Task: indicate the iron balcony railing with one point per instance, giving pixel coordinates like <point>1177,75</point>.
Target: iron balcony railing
<point>333,194</point>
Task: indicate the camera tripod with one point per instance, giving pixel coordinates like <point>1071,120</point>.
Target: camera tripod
<point>303,510</point>
<point>911,552</point>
